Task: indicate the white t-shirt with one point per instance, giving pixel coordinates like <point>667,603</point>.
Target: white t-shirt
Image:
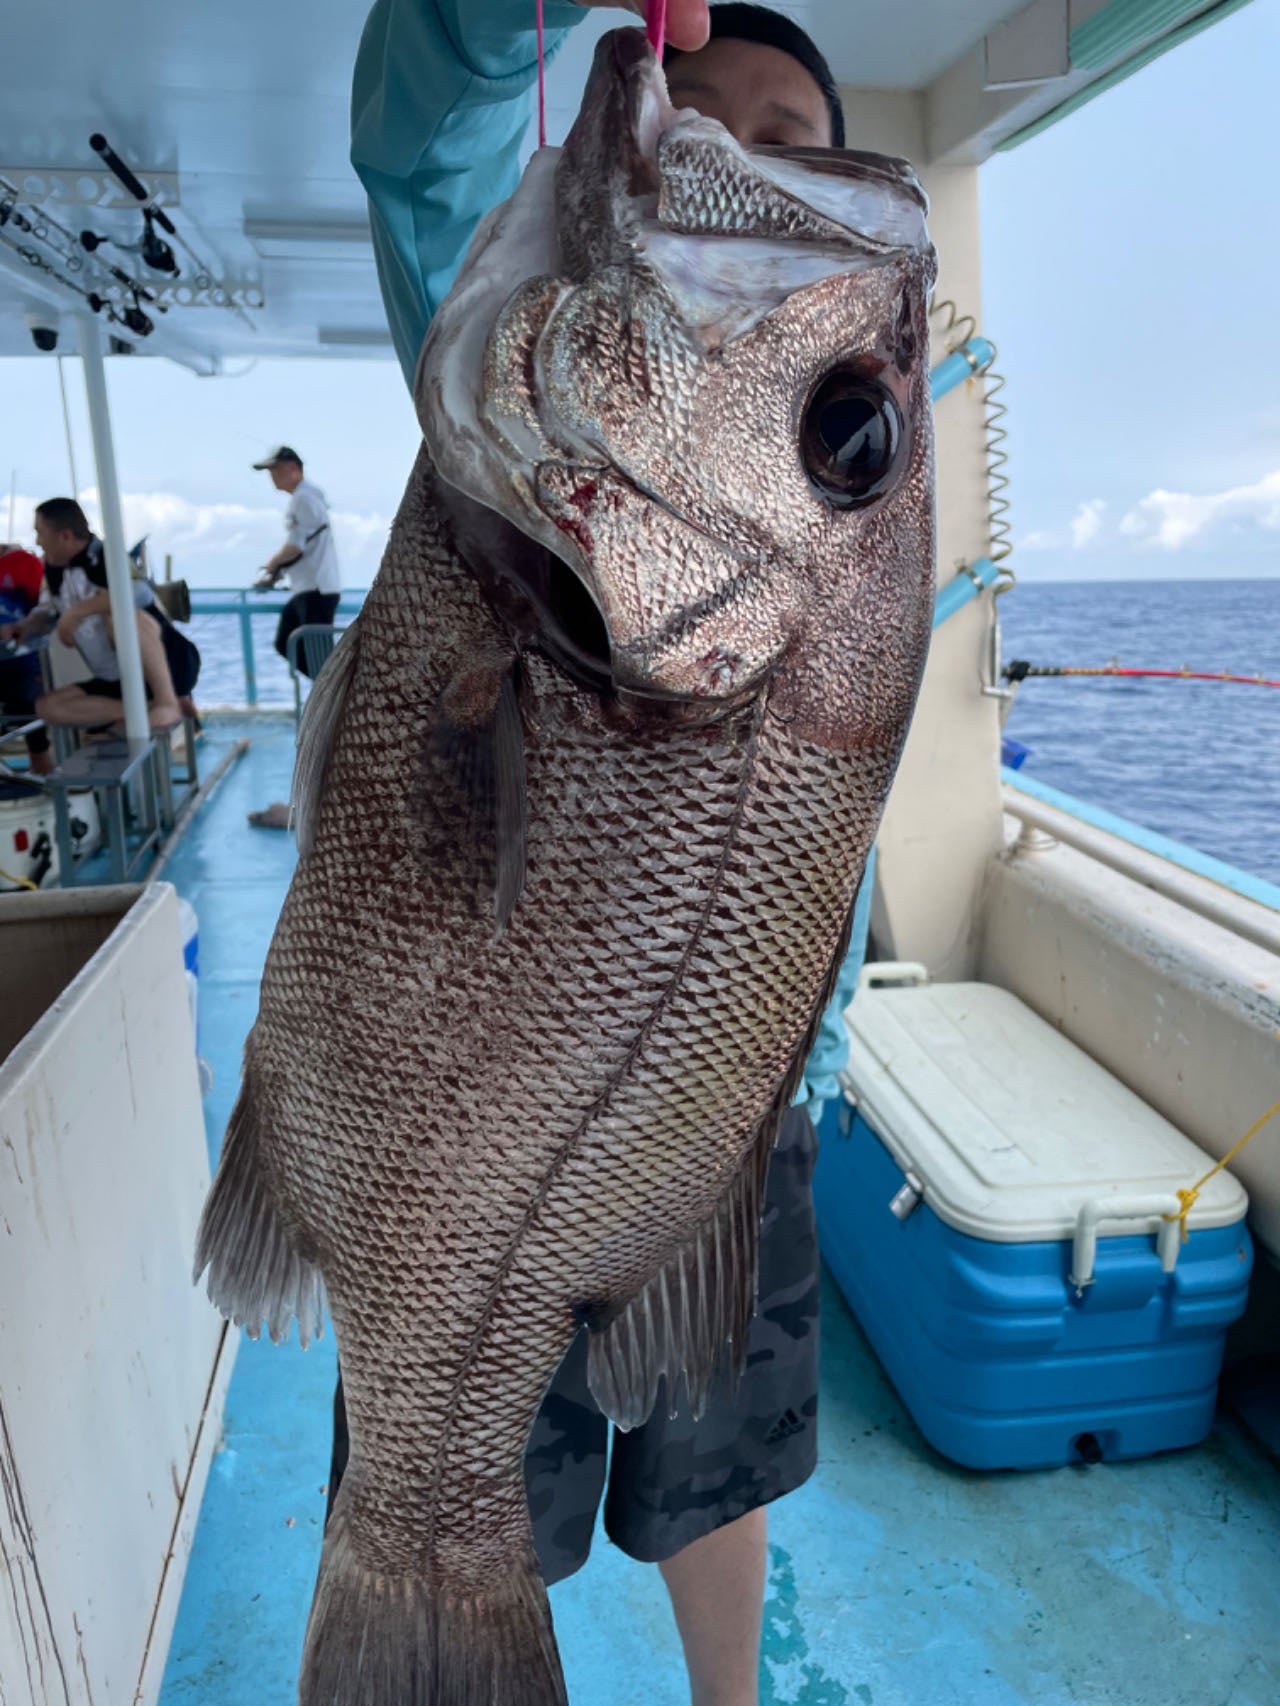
<point>306,526</point>
<point>84,577</point>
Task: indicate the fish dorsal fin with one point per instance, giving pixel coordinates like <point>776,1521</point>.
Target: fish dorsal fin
<point>317,733</point>
<point>479,736</point>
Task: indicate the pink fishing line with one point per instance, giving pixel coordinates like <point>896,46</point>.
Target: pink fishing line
<point>542,84</point>
<point>656,20</point>
<point>655,23</point>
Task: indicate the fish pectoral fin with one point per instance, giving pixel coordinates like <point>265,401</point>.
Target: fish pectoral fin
<point>479,735</point>
<point>257,1275</point>
<point>696,1307</point>
<point>381,1638</point>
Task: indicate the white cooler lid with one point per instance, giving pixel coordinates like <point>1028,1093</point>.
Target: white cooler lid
<point>1011,1128</point>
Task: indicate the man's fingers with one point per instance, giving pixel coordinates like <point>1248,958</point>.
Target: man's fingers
<point>688,21</point>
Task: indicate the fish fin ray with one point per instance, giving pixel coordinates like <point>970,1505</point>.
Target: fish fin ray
<point>317,732</point>
<point>480,736</point>
<point>700,1302</point>
<point>376,1639</point>
<point>257,1275</point>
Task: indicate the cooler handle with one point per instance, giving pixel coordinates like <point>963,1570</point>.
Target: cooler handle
<point>906,974</point>
<point>1084,1247</point>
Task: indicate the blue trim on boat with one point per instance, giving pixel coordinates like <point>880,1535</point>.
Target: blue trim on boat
<point>964,363</point>
<point>1150,840</point>
<point>963,588</point>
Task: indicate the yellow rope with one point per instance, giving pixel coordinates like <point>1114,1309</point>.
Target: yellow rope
<point>22,882</point>
<point>1187,1199</point>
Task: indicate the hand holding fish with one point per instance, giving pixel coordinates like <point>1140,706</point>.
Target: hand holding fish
<point>688,23</point>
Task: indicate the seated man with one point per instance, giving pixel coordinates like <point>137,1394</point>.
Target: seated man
<point>79,608</point>
<point>21,577</point>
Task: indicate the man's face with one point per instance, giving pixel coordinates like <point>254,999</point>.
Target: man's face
<point>759,94</point>
<point>284,475</point>
<point>58,544</point>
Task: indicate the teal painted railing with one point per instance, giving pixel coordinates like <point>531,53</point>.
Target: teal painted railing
<point>245,604</point>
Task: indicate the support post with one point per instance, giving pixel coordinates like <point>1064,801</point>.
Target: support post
<point>246,651</point>
<point>119,580</point>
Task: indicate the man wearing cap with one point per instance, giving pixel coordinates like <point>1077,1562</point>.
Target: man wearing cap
<point>308,555</point>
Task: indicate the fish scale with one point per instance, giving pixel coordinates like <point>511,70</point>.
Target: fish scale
<point>572,888</point>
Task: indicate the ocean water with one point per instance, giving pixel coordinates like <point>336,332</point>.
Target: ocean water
<point>1199,761</point>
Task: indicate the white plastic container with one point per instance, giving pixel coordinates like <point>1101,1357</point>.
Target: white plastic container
<point>28,845</point>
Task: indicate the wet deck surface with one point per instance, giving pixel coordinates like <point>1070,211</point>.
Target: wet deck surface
<point>896,1579</point>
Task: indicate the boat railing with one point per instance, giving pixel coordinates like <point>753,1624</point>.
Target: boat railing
<point>245,603</point>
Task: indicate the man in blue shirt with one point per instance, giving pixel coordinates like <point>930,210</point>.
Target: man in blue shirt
<point>440,105</point>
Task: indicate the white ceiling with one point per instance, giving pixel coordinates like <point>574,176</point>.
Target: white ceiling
<point>245,105</point>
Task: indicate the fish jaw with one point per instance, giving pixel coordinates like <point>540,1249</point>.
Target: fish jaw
<point>623,370</point>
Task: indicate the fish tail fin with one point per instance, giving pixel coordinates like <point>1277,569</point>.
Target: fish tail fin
<point>256,1272</point>
<point>376,1639</point>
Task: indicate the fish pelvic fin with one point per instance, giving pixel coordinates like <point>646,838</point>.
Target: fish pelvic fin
<point>479,736</point>
<point>257,1275</point>
<point>378,1639</point>
<point>317,733</point>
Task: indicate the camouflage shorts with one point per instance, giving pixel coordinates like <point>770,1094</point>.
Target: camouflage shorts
<point>672,1481</point>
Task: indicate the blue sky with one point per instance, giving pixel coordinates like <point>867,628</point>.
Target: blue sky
<point>1130,254</point>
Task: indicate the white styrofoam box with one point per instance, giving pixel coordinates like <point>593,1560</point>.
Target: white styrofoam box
<point>1011,1129</point>
<point>112,1364</point>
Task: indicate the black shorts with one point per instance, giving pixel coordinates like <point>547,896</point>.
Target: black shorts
<point>302,610</point>
<point>671,1482</point>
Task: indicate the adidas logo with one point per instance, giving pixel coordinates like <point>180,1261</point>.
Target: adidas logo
<point>787,1424</point>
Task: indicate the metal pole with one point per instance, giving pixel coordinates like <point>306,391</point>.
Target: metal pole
<point>66,427</point>
<point>119,580</point>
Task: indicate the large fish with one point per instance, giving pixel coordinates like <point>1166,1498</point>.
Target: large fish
<point>585,796</point>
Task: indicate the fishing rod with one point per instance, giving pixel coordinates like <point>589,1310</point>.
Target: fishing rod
<point>1019,670</point>
<point>155,252</point>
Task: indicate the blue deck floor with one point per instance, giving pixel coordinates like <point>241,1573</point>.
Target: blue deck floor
<point>896,1579</point>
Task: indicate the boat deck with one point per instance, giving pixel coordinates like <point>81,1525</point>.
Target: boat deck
<point>896,1579</point>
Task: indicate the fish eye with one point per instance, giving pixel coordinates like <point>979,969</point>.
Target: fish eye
<point>849,439</point>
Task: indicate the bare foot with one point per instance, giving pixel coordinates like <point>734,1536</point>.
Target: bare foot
<point>164,716</point>
<point>276,816</point>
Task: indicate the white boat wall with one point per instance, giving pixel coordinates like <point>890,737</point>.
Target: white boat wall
<point>112,1366</point>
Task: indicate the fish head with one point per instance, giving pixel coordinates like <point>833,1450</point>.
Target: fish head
<point>696,375</point>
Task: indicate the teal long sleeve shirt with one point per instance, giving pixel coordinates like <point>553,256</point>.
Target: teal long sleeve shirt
<point>439,105</point>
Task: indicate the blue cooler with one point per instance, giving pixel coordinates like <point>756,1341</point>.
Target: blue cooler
<point>990,1201</point>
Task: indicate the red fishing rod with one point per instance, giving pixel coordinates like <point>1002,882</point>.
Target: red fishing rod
<point>1020,670</point>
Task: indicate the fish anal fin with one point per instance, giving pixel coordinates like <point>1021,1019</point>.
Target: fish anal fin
<point>479,735</point>
<point>678,1327</point>
<point>257,1275</point>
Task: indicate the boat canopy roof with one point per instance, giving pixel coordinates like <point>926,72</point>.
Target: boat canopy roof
<point>234,119</point>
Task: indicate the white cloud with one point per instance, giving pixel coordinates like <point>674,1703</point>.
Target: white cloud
<point>218,544</point>
<point>1086,523</point>
<point>1081,532</point>
<point>1167,521</point>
